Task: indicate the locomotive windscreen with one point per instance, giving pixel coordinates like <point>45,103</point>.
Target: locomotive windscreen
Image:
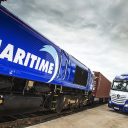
<point>81,76</point>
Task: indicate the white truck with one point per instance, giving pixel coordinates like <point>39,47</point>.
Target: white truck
<point>119,93</point>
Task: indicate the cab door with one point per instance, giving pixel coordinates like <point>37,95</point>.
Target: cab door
<point>64,61</point>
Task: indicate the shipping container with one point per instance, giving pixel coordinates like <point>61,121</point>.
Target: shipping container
<point>102,86</point>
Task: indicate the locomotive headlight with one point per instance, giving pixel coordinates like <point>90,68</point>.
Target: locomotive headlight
<point>109,100</point>
<point>1,99</point>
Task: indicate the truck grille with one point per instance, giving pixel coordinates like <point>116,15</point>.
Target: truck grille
<point>118,99</point>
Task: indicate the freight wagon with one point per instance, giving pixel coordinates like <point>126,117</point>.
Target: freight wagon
<point>101,87</point>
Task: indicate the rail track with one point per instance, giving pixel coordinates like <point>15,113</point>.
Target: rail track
<point>24,120</point>
<point>27,119</point>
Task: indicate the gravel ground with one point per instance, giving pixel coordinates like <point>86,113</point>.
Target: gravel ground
<point>98,117</point>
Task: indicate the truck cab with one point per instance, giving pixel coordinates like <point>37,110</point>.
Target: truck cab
<point>119,93</point>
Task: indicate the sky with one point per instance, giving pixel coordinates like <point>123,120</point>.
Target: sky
<point>93,31</point>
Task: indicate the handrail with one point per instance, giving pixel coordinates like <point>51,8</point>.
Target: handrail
<point>65,70</point>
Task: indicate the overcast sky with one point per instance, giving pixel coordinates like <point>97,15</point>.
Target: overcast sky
<point>93,31</point>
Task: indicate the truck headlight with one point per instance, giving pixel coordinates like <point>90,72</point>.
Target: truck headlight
<point>110,102</point>
<point>126,105</point>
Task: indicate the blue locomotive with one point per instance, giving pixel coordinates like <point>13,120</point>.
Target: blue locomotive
<point>37,74</point>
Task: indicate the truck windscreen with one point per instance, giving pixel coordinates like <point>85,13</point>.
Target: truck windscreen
<point>120,86</point>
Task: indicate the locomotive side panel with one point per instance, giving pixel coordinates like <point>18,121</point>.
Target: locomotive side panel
<point>24,53</point>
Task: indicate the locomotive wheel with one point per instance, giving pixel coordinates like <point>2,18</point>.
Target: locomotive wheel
<point>106,100</point>
<point>101,100</point>
<point>59,103</point>
<point>48,102</point>
<point>90,99</point>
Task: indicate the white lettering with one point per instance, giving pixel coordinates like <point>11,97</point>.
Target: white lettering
<point>44,66</point>
<point>7,52</point>
<point>50,68</point>
<point>33,59</point>
<point>20,55</point>
<point>37,63</point>
<point>27,59</point>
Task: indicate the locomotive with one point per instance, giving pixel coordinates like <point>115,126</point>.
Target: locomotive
<point>37,74</point>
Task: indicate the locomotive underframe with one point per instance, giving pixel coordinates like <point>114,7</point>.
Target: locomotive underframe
<point>20,95</point>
